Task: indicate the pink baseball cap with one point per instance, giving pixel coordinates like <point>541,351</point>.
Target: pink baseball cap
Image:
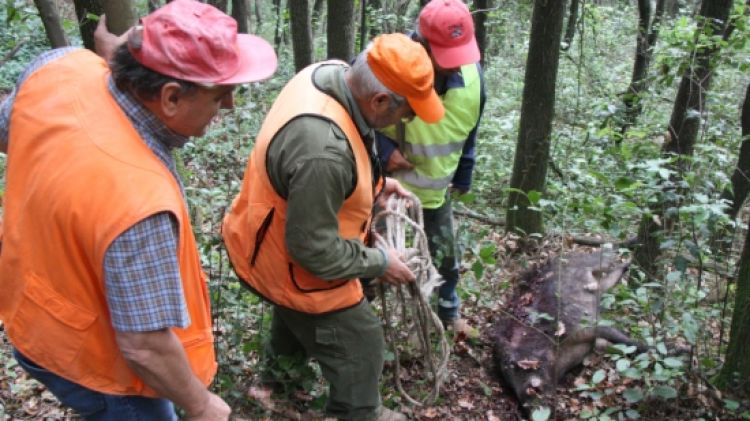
<point>449,29</point>
<point>196,42</point>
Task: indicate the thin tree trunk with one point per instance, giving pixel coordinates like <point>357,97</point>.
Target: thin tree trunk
<point>735,373</point>
<point>683,129</point>
<point>51,20</point>
<point>241,14</point>
<point>153,5</point>
<point>299,13</point>
<point>341,29</point>
<point>219,4</point>
<point>317,16</point>
<point>480,26</point>
<point>277,30</point>
<point>120,15</point>
<point>741,176</point>
<point>362,25</point>
<point>537,112</point>
<point>86,25</point>
<point>570,29</point>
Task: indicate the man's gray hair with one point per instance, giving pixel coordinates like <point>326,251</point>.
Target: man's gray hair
<point>365,84</point>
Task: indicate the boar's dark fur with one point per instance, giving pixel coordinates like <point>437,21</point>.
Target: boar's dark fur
<point>550,326</point>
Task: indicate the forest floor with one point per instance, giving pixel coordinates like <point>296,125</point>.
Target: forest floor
<point>472,390</point>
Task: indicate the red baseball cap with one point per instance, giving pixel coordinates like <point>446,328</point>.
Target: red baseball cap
<point>404,67</point>
<point>449,29</point>
<point>196,42</point>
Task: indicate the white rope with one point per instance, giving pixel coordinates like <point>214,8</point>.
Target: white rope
<point>410,323</point>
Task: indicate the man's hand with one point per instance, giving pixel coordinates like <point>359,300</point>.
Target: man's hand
<point>396,272</point>
<point>214,409</point>
<point>105,42</point>
<point>397,161</point>
<point>391,186</point>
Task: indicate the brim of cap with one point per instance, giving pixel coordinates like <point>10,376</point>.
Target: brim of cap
<point>257,60</point>
<point>430,109</point>
<point>452,57</point>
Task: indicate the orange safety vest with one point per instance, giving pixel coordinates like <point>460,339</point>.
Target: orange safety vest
<point>78,176</point>
<point>254,228</point>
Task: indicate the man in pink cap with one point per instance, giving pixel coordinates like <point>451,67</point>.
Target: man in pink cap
<point>430,160</point>
<point>104,299</point>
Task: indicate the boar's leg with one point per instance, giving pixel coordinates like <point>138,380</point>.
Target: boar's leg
<point>574,348</point>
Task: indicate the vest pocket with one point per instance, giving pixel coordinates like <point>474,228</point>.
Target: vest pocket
<point>260,234</point>
<point>46,323</point>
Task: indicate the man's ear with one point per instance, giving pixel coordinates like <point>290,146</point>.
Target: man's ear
<point>169,98</point>
<point>380,102</point>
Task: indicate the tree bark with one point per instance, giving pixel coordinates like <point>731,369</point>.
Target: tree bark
<point>376,9</point>
<point>219,4</point>
<point>277,30</point>
<point>340,31</point>
<point>120,15</point>
<point>241,14</point>
<point>52,25</point>
<point>86,25</point>
<point>570,29</point>
<point>741,176</point>
<point>258,14</point>
<point>480,27</point>
<point>735,372</point>
<point>683,128</point>
<point>537,112</point>
<point>299,13</point>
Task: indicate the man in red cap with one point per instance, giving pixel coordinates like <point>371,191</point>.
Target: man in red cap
<point>104,299</point>
<point>296,233</point>
<point>430,160</point>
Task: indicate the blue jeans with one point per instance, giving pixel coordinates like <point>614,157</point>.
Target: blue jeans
<point>94,405</point>
<point>438,226</point>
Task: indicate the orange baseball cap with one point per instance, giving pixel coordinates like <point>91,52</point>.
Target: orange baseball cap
<point>404,67</point>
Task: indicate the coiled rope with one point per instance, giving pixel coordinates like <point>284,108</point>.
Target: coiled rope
<point>411,326</point>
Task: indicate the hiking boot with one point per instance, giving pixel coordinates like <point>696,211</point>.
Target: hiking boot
<point>390,415</point>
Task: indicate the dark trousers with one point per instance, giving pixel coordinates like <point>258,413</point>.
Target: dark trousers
<point>438,226</point>
<point>349,347</point>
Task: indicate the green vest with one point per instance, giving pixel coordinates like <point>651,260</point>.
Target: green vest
<point>435,149</point>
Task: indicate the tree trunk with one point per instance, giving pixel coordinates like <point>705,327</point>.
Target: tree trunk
<point>683,127</point>
<point>570,29</point>
<point>153,5</point>
<point>362,25</point>
<point>341,29</point>
<point>86,25</point>
<point>277,30</point>
<point>219,4</point>
<point>258,14</point>
<point>120,15</point>
<point>741,176</point>
<point>537,112</point>
<point>51,20</point>
<point>480,19</point>
<point>241,14</point>
<point>299,13</point>
<point>736,370</point>
<point>648,31</point>
<point>317,15</point>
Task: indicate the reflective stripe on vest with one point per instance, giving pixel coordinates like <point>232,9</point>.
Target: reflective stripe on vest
<point>435,149</point>
<point>79,175</point>
<point>254,228</point>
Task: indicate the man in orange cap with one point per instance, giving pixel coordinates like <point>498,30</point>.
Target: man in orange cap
<point>296,232</point>
<point>103,296</point>
<point>432,159</point>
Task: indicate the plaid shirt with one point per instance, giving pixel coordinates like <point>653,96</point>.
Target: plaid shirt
<point>142,274</point>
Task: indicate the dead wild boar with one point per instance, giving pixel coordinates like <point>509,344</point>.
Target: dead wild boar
<point>550,325</point>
